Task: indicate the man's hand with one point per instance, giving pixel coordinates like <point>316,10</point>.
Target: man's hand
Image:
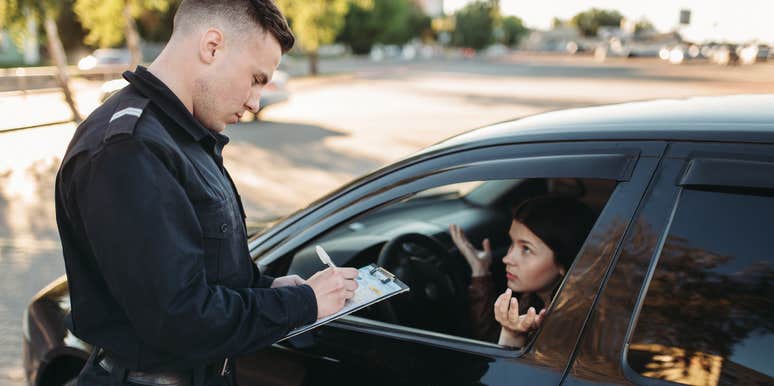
<point>479,260</point>
<point>287,281</point>
<point>332,287</point>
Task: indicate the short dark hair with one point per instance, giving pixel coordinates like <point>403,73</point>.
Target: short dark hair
<point>264,13</point>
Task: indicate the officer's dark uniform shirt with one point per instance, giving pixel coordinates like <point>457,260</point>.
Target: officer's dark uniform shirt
<point>154,239</point>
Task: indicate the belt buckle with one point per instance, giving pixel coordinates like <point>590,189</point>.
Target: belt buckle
<point>146,378</point>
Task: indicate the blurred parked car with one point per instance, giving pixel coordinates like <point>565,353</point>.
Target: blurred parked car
<point>725,55</point>
<point>681,53</point>
<point>275,91</point>
<point>754,53</point>
<point>673,283</point>
<point>105,58</point>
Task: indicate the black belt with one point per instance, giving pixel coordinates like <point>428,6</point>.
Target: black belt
<point>169,378</point>
<point>193,377</point>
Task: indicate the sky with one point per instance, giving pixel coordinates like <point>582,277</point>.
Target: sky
<point>735,21</point>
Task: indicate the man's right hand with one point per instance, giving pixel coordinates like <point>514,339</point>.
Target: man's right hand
<point>332,287</point>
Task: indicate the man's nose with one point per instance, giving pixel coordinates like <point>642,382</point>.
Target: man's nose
<point>254,102</point>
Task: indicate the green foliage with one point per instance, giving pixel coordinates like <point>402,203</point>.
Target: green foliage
<point>474,24</point>
<point>643,26</point>
<point>588,22</point>
<point>387,22</point>
<point>317,22</point>
<point>156,26</point>
<point>557,22</point>
<point>104,19</point>
<point>513,30</point>
<point>15,14</point>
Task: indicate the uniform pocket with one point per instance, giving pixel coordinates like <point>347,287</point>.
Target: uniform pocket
<point>216,233</point>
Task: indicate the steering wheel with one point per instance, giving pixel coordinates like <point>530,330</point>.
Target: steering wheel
<point>437,299</point>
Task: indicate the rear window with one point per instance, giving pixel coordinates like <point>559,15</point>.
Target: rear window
<point>708,314</point>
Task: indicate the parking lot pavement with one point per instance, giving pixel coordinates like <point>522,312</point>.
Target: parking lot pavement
<point>333,129</point>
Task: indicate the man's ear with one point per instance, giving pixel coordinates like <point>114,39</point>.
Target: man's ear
<point>210,45</point>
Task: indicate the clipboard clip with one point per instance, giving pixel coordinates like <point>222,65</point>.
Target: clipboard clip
<point>387,275</point>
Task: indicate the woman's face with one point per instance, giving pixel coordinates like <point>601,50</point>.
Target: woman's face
<point>529,263</point>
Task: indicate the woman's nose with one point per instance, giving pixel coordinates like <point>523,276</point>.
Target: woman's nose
<point>510,258</point>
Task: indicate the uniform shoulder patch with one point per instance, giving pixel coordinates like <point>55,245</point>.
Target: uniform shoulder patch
<point>126,115</point>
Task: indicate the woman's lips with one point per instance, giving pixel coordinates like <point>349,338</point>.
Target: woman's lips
<point>511,276</point>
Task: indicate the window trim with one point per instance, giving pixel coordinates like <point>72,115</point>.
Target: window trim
<point>728,172</point>
<point>629,372</point>
<point>426,337</point>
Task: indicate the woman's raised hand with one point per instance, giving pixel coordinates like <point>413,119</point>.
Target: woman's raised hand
<point>506,311</point>
<point>479,260</point>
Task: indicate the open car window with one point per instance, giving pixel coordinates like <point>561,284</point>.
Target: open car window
<point>425,256</point>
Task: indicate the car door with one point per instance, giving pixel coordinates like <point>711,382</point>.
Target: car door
<point>689,297</point>
<point>357,350</point>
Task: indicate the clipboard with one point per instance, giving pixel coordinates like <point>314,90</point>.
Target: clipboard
<point>375,284</point>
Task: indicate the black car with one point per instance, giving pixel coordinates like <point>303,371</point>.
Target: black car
<point>673,284</point>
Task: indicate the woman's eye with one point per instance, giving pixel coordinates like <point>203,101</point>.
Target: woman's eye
<point>526,249</point>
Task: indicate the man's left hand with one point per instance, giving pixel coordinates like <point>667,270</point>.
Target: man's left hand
<point>287,281</point>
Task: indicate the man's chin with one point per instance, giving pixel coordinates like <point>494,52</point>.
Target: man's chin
<point>218,127</point>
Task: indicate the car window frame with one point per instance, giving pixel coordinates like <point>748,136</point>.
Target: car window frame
<point>634,150</point>
<point>712,165</point>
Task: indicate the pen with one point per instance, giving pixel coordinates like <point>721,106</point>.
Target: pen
<point>324,256</point>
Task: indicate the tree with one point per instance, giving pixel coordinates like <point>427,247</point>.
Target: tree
<point>317,22</point>
<point>387,22</point>
<point>111,21</point>
<point>557,23</point>
<point>643,26</point>
<point>14,16</point>
<point>513,30</point>
<point>474,24</point>
<point>588,22</point>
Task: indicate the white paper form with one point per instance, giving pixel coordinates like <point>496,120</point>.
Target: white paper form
<point>374,284</point>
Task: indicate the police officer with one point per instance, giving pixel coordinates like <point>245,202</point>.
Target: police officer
<point>152,228</point>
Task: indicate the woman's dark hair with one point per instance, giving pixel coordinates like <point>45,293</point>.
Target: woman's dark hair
<point>263,13</point>
<point>563,223</point>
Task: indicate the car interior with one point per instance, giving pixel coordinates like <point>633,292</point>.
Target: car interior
<point>410,238</point>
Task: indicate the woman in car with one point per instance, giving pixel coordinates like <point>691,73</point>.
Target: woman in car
<point>546,233</point>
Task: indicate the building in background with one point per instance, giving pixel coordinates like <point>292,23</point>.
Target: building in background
<point>432,8</point>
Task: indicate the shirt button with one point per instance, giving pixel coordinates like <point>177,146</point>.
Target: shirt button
<point>224,228</point>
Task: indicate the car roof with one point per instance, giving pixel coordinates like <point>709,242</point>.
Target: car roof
<point>739,118</point>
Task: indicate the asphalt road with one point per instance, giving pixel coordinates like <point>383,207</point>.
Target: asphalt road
<point>357,117</point>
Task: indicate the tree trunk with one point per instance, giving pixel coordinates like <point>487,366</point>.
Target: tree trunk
<point>58,53</point>
<point>314,58</point>
<point>132,37</point>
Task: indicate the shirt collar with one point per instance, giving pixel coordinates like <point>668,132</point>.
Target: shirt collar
<point>155,90</point>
